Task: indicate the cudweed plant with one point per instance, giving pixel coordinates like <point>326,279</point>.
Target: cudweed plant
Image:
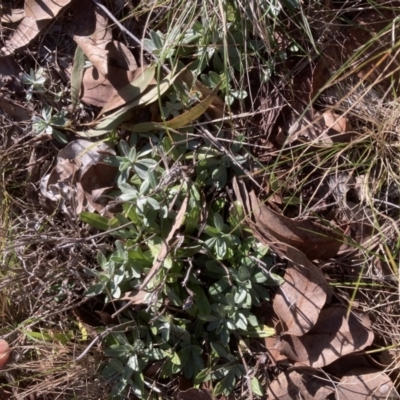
<point>49,122</point>
<point>35,80</point>
<point>211,280</point>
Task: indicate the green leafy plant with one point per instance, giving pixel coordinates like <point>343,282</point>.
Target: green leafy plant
<point>214,274</point>
<point>48,123</point>
<point>35,80</point>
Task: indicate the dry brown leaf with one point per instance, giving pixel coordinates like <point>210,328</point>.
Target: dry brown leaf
<point>27,30</point>
<point>364,383</point>
<point>344,364</point>
<point>120,56</point>
<point>165,245</point>
<point>11,16</point>
<point>314,240</point>
<point>274,354</point>
<point>280,389</point>
<point>80,177</point>
<point>333,336</point>
<point>92,34</point>
<point>337,128</point>
<point>299,300</point>
<point>97,90</point>
<point>302,384</point>
<point>312,384</point>
<point>38,13</point>
<point>44,9</point>
<point>95,181</point>
<point>194,394</point>
<point>273,229</point>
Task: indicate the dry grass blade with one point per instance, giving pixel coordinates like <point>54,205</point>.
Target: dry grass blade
<point>76,76</point>
<point>160,258</point>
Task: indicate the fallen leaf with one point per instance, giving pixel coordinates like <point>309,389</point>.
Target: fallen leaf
<point>131,91</point>
<point>299,300</point>
<point>97,179</point>
<point>337,128</point>
<point>274,354</point>
<point>194,394</point>
<point>279,388</point>
<point>92,34</point>
<point>80,177</point>
<point>120,56</point>
<point>364,383</point>
<point>333,336</point>
<point>97,89</point>
<point>11,16</point>
<point>38,14</point>
<point>315,240</point>
<point>106,124</point>
<point>44,9</point>
<point>181,120</point>
<point>27,30</point>
<point>301,384</point>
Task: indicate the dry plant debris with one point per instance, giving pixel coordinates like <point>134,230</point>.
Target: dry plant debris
<point>315,197</point>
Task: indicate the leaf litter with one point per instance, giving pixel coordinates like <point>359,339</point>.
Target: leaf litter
<point>315,332</point>
<point>80,178</point>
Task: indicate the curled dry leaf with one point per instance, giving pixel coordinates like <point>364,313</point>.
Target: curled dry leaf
<point>314,240</point>
<point>364,383</point>
<point>334,335</point>
<point>299,300</point>
<point>80,177</point>
<point>304,384</point>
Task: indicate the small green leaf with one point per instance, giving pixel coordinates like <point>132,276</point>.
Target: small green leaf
<point>226,385</point>
<point>95,220</point>
<point>218,222</point>
<point>94,290</point>
<point>256,387</point>
<point>203,376</point>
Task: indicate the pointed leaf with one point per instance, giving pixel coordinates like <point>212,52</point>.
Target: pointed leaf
<point>76,76</point>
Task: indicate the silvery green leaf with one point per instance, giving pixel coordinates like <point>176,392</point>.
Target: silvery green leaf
<point>60,137</point>
<point>124,148</point>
